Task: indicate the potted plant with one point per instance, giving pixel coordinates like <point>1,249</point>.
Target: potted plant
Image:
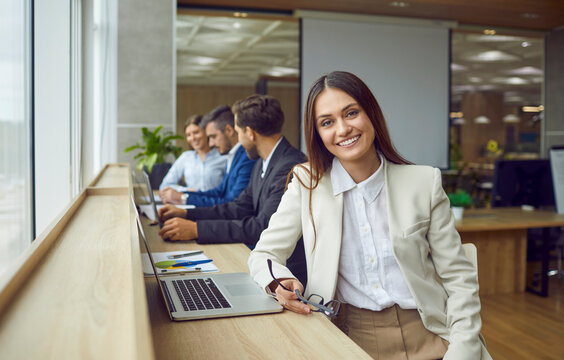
<point>153,150</point>
<point>459,200</point>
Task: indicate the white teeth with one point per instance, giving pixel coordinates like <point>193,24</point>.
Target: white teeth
<point>349,141</point>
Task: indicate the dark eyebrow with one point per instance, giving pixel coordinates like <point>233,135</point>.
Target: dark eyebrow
<point>344,109</point>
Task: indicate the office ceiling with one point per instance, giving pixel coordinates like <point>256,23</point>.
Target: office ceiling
<point>522,14</point>
<point>237,50</point>
<point>239,46</point>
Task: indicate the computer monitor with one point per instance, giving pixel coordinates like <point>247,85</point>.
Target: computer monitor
<point>523,182</point>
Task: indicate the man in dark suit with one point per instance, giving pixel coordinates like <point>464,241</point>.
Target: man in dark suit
<point>258,121</point>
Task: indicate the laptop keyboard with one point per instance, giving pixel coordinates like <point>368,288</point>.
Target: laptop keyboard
<point>199,294</point>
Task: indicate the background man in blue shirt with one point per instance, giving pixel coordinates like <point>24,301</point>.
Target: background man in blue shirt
<point>219,126</point>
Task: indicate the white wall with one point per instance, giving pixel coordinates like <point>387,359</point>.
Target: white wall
<point>146,83</point>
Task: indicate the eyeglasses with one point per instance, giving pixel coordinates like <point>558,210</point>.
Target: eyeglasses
<point>330,308</point>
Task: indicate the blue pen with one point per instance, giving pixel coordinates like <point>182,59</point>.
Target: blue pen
<point>191,263</point>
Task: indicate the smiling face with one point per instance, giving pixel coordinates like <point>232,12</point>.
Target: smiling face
<point>196,137</point>
<point>345,129</point>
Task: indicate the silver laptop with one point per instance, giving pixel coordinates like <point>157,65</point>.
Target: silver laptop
<point>152,197</point>
<point>204,296</point>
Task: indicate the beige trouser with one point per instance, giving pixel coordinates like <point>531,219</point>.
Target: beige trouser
<point>390,334</point>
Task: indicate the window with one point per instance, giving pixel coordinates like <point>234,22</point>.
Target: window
<point>16,220</point>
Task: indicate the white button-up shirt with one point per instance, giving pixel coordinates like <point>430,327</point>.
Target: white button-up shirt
<point>231,155</point>
<point>197,174</point>
<point>369,275</point>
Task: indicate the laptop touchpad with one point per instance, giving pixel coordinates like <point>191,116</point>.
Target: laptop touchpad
<point>242,289</point>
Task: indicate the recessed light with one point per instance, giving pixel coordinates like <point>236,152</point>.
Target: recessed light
<point>240,14</point>
<point>526,44</point>
<point>482,120</point>
<point>456,114</point>
<point>489,32</point>
<point>530,16</point>
<point>511,118</point>
<point>400,4</point>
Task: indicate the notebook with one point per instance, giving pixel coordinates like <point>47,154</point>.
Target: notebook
<point>205,296</point>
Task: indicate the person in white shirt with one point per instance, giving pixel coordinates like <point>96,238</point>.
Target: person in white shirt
<point>378,234</point>
<point>201,168</point>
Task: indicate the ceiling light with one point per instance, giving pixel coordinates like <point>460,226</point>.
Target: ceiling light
<point>489,32</point>
<point>526,44</point>
<point>400,4</point>
<point>482,120</point>
<point>491,38</point>
<point>511,118</point>
<point>457,114</point>
<point>458,121</point>
<point>457,67</point>
<point>525,70</point>
<point>491,55</point>
<point>530,16</point>
<point>240,14</point>
<point>282,71</point>
<point>200,60</point>
<point>532,108</point>
<point>510,80</point>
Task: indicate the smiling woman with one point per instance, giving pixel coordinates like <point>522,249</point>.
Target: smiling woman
<point>378,234</point>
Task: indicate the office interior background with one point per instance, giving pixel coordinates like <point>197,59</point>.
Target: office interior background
<point>78,79</point>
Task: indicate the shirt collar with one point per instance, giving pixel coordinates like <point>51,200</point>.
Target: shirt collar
<point>234,149</point>
<point>267,161</point>
<point>369,188</point>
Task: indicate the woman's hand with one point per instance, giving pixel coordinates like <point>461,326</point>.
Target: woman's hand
<point>170,196</point>
<point>289,299</point>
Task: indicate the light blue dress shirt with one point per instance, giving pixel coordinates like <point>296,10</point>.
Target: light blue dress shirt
<point>198,174</point>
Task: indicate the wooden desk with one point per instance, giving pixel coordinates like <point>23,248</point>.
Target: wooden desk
<point>285,335</point>
<point>78,292</point>
<point>500,236</point>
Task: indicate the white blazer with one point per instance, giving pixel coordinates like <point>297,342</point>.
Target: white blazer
<point>425,243</point>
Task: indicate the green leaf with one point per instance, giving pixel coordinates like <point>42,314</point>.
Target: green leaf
<point>150,161</point>
<point>132,147</point>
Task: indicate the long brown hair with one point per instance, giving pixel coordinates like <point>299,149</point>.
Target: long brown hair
<point>319,157</point>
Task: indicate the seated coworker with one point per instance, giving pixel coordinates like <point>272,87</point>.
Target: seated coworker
<point>202,168</point>
<point>258,120</point>
<point>219,126</point>
<point>379,236</point>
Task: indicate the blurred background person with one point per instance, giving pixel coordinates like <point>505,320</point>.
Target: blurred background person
<point>201,168</point>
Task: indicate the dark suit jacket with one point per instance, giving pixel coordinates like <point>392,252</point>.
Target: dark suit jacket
<point>244,219</point>
<point>233,182</point>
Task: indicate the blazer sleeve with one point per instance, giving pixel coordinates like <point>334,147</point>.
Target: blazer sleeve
<point>278,241</point>
<point>237,221</point>
<point>459,278</point>
<point>231,186</point>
